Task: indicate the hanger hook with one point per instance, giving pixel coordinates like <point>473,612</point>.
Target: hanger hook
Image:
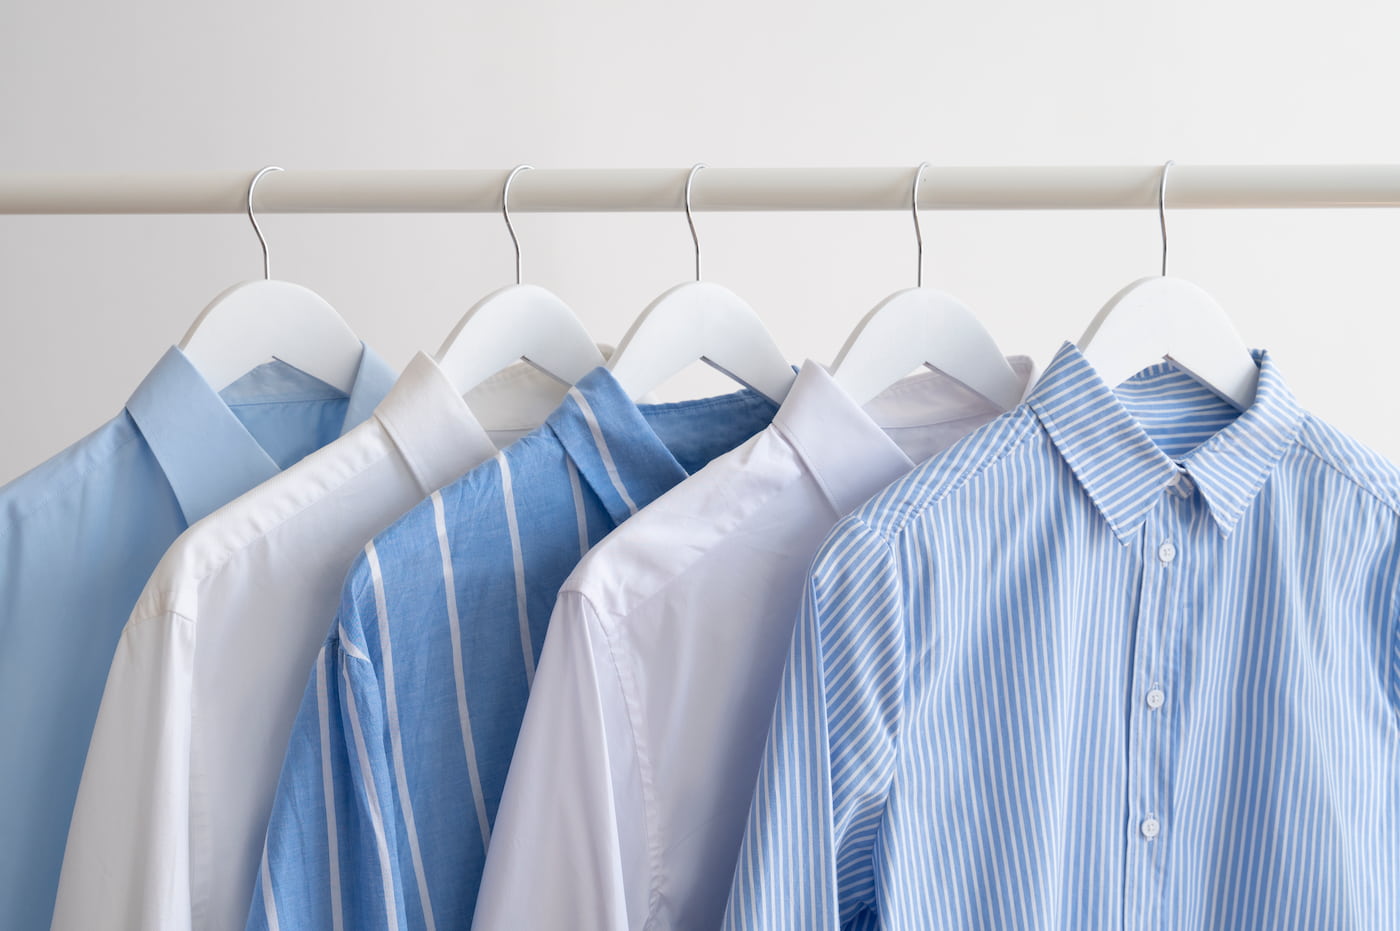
<point>505,212</point>
<point>252,186</point>
<point>689,218</point>
<point>918,231</point>
<point>1162,212</point>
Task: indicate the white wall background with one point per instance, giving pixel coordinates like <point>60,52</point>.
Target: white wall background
<point>87,304</point>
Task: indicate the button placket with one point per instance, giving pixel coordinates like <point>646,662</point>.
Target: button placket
<point>1158,627</point>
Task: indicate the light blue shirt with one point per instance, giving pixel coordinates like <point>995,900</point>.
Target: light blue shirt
<point>80,534</point>
<point>399,753</point>
<point>1122,658</point>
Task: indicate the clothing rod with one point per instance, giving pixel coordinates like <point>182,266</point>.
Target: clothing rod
<point>550,190</point>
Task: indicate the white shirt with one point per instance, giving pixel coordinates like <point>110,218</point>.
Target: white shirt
<point>634,769</point>
<point>210,669</point>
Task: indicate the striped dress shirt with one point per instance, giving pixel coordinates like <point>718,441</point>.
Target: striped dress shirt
<point>208,676</point>
<point>1122,658</point>
<point>663,658</point>
<point>400,750</point>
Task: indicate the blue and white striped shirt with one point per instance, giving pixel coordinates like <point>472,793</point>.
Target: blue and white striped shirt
<point>400,750</point>
<point>1120,658</point>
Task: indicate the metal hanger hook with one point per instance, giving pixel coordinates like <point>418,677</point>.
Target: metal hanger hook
<point>252,186</point>
<point>505,212</point>
<point>1162,212</point>
<point>689,217</point>
<point>918,231</point>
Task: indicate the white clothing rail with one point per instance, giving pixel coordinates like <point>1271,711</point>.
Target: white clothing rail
<point>550,190</point>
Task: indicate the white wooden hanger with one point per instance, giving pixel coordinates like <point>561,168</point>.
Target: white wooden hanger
<point>922,326</point>
<point>1167,318</point>
<point>520,321</point>
<point>695,321</point>
<point>256,321</point>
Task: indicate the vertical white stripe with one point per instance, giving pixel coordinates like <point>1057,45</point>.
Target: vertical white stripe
<point>1006,669</point>
<point>603,452</point>
<point>459,676</point>
<point>580,514</point>
<point>376,819</point>
<point>527,649</point>
<point>395,736</point>
<point>328,788</point>
<point>269,901</point>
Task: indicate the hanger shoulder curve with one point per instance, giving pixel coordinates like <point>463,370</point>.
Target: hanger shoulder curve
<point>255,321</point>
<point>694,321</point>
<point>519,321</point>
<point>1161,317</point>
<point>924,326</point>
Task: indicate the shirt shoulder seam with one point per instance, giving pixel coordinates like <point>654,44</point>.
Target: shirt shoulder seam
<point>1305,442</point>
<point>42,502</point>
<point>149,616</point>
<point>234,548</point>
<point>912,510</point>
<point>664,580</point>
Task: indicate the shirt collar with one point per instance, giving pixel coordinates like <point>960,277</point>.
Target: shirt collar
<point>1124,472</point>
<point>431,425</point>
<point>615,449</point>
<point>845,450</point>
<point>373,381</point>
<point>846,447</point>
<point>206,453</point>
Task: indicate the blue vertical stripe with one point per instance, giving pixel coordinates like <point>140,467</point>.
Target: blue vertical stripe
<point>459,680</point>
<point>435,642</point>
<point>391,707</point>
<point>1122,658</point>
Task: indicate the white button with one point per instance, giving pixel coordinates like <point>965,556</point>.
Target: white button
<point>1155,697</point>
<point>1149,827</point>
<point>1166,553</point>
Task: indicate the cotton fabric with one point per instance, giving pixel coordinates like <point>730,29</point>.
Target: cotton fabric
<point>1120,658</point>
<point>660,668</point>
<point>396,764</point>
<point>79,536</point>
<point>210,667</point>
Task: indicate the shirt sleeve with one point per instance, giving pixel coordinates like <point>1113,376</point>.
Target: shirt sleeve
<point>808,855</point>
<point>1395,653</point>
<point>328,859</point>
<point>568,849</point>
<point>127,862</point>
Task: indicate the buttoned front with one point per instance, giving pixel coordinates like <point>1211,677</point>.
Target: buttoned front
<point>1008,704</point>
